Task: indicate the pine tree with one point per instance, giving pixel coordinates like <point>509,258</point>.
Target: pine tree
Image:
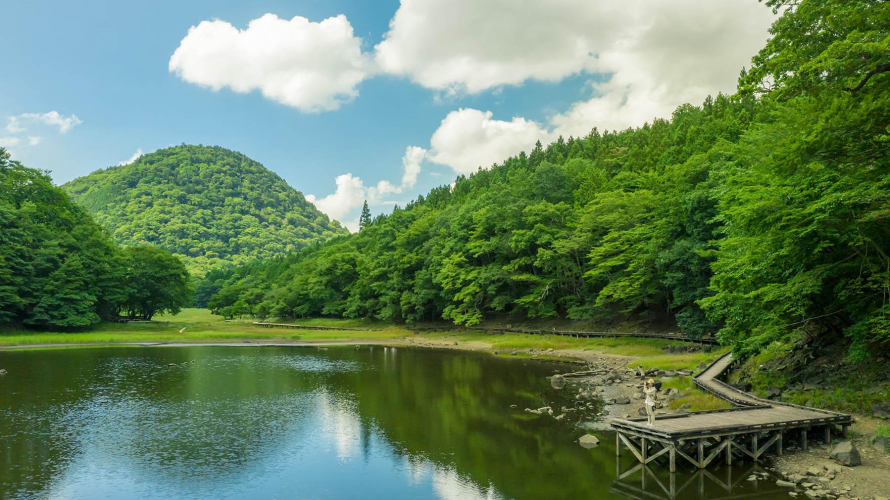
<point>365,220</point>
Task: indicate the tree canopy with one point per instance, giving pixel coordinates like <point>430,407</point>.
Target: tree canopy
<point>756,216</point>
<point>59,269</point>
<point>208,205</point>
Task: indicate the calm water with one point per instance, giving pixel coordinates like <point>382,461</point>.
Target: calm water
<point>299,423</point>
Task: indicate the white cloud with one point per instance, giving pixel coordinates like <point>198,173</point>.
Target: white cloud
<point>411,161</point>
<point>310,66</point>
<point>8,142</point>
<point>51,118</point>
<point>133,158</point>
<point>468,138</point>
<point>33,141</point>
<point>350,194</point>
<point>680,52</point>
<point>468,45</point>
<point>659,54</point>
<point>14,127</point>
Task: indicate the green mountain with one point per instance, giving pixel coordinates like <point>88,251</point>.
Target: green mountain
<point>208,205</point>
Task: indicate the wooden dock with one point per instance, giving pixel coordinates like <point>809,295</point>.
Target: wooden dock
<point>749,429</point>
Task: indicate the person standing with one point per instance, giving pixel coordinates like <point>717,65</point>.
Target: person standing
<point>651,395</point>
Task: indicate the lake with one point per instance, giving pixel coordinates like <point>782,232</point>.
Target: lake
<point>302,423</point>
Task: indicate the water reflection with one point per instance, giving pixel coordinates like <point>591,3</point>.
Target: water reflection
<point>266,423</point>
<point>720,483</point>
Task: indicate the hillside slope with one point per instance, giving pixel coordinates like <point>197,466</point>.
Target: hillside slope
<point>209,205</point>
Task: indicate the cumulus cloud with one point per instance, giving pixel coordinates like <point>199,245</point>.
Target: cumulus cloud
<point>468,45</point>
<point>671,49</point>
<point>468,138</point>
<point>411,161</point>
<point>133,158</point>
<point>33,141</point>
<point>310,66</point>
<point>53,118</point>
<point>349,195</point>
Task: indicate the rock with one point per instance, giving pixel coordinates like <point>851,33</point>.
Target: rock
<point>172,364</point>
<point>752,478</point>
<point>773,393</point>
<point>589,441</point>
<point>557,381</point>
<point>814,471</point>
<point>641,411</point>
<point>880,443</point>
<point>702,366</point>
<point>513,406</point>
<point>670,373</point>
<point>2,372</point>
<point>797,478</point>
<point>684,407</point>
<point>639,395</point>
<point>813,494</point>
<point>613,376</point>
<point>707,348</point>
<point>560,417</point>
<point>785,484</point>
<point>536,412</point>
<point>881,410</point>
<point>622,400</point>
<point>845,453</point>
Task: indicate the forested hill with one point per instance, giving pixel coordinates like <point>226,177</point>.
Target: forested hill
<point>208,205</point>
<point>762,216</point>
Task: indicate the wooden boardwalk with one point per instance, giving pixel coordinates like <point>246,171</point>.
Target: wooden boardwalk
<point>751,428</point>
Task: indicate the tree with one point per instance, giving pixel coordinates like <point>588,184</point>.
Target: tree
<point>365,219</point>
<point>157,281</point>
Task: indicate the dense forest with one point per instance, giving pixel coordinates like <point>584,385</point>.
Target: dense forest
<point>208,205</point>
<point>755,216</point>
<point>60,270</point>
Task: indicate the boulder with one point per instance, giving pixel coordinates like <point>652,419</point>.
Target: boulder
<point>773,393</point>
<point>622,400</point>
<point>639,395</point>
<point>557,381</point>
<point>785,484</point>
<point>2,372</point>
<point>845,453</point>
<point>589,441</point>
<point>881,444</point>
<point>881,410</point>
<point>613,376</point>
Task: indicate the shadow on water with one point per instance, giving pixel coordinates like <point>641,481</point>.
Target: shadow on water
<point>277,422</point>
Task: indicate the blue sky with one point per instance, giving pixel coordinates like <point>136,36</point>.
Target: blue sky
<point>465,82</point>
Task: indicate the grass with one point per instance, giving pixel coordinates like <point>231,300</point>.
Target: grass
<point>883,431</point>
